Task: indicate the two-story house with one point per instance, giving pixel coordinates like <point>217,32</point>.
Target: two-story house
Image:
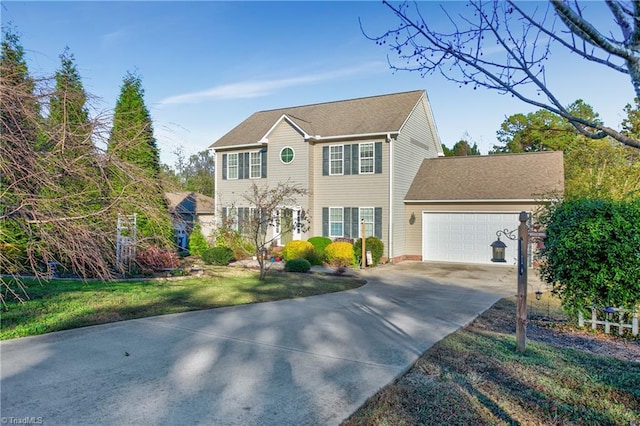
<point>356,157</point>
<point>375,160</point>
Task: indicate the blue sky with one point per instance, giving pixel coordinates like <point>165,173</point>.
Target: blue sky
<point>208,65</point>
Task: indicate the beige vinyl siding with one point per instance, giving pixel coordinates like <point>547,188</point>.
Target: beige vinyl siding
<point>361,190</point>
<point>413,213</point>
<point>296,172</point>
<point>417,140</point>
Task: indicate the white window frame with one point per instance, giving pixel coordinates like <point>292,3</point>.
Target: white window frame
<point>252,164</point>
<point>332,209</point>
<point>235,167</point>
<point>338,161</point>
<point>362,164</point>
<point>369,227</point>
<point>293,155</point>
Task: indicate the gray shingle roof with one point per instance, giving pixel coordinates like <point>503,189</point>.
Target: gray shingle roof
<point>189,202</point>
<point>377,114</point>
<point>490,177</point>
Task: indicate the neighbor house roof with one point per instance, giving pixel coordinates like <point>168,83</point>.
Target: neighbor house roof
<point>372,115</point>
<point>529,176</point>
<point>189,202</point>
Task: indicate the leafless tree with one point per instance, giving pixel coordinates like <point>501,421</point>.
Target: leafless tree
<point>264,224</point>
<point>504,46</point>
<point>56,207</point>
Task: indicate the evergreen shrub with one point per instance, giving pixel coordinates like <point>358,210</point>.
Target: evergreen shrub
<point>297,265</point>
<point>220,256</point>
<point>372,244</point>
<point>591,253</point>
<point>320,244</point>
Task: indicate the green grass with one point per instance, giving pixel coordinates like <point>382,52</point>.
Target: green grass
<point>61,304</point>
<point>474,376</point>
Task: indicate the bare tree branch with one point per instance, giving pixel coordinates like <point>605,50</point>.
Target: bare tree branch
<point>468,53</point>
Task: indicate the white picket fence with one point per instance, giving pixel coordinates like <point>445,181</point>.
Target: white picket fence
<point>610,319</point>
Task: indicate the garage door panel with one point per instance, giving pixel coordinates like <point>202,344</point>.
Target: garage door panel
<point>465,237</point>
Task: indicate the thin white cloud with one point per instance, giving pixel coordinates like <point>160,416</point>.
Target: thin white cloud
<point>255,89</point>
<point>114,36</point>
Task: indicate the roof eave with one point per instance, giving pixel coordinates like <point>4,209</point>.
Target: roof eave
<point>486,200</point>
<point>318,138</point>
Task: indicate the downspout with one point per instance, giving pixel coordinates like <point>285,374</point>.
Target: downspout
<point>215,191</point>
<point>390,231</point>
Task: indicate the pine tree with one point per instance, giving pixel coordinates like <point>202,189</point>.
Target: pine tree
<point>132,134</point>
<point>19,121</point>
<point>132,141</point>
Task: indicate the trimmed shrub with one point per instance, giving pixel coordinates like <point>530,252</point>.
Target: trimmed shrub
<point>340,254</point>
<point>156,258</point>
<point>297,265</point>
<point>297,249</point>
<point>320,244</point>
<point>591,254</point>
<point>197,241</point>
<point>220,256</point>
<point>372,244</point>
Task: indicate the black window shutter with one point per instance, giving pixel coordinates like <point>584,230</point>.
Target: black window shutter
<point>346,221</point>
<point>346,151</point>
<point>240,166</point>
<point>224,166</point>
<point>377,226</point>
<point>224,216</point>
<point>378,157</point>
<point>246,165</point>
<point>355,221</point>
<point>325,161</point>
<point>355,157</point>
<point>264,163</point>
<point>325,221</point>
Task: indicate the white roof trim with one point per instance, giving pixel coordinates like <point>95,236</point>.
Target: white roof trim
<point>319,138</point>
<point>486,200</point>
<point>265,138</point>
<point>246,145</point>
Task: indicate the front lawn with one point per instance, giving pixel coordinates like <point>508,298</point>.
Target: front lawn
<point>61,304</point>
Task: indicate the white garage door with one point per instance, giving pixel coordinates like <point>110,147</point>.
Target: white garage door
<point>466,237</point>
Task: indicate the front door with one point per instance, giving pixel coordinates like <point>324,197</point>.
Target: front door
<point>289,225</point>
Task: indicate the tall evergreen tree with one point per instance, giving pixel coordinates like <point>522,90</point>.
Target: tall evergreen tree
<point>19,121</point>
<point>132,135</point>
<point>132,141</point>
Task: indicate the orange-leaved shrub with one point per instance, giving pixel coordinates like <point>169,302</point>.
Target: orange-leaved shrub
<point>339,254</point>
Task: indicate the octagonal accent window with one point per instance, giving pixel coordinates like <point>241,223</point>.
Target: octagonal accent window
<point>287,155</point>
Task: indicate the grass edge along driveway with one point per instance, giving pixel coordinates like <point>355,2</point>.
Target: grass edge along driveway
<point>62,304</point>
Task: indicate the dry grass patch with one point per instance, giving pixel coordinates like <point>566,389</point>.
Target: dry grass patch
<point>475,377</point>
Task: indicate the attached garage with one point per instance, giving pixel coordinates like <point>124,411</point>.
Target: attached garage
<point>465,236</point>
<point>455,205</point>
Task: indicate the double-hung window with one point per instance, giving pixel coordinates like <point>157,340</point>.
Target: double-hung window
<point>335,222</point>
<point>366,158</point>
<point>255,169</point>
<point>336,159</point>
<point>368,217</point>
<point>232,166</point>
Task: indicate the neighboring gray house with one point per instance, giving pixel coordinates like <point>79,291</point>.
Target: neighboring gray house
<point>187,209</point>
<point>358,158</point>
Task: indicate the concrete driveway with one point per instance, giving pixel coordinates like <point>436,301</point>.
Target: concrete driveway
<point>310,361</point>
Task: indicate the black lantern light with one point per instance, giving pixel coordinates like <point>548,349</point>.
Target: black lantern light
<point>538,295</point>
<point>498,249</point>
